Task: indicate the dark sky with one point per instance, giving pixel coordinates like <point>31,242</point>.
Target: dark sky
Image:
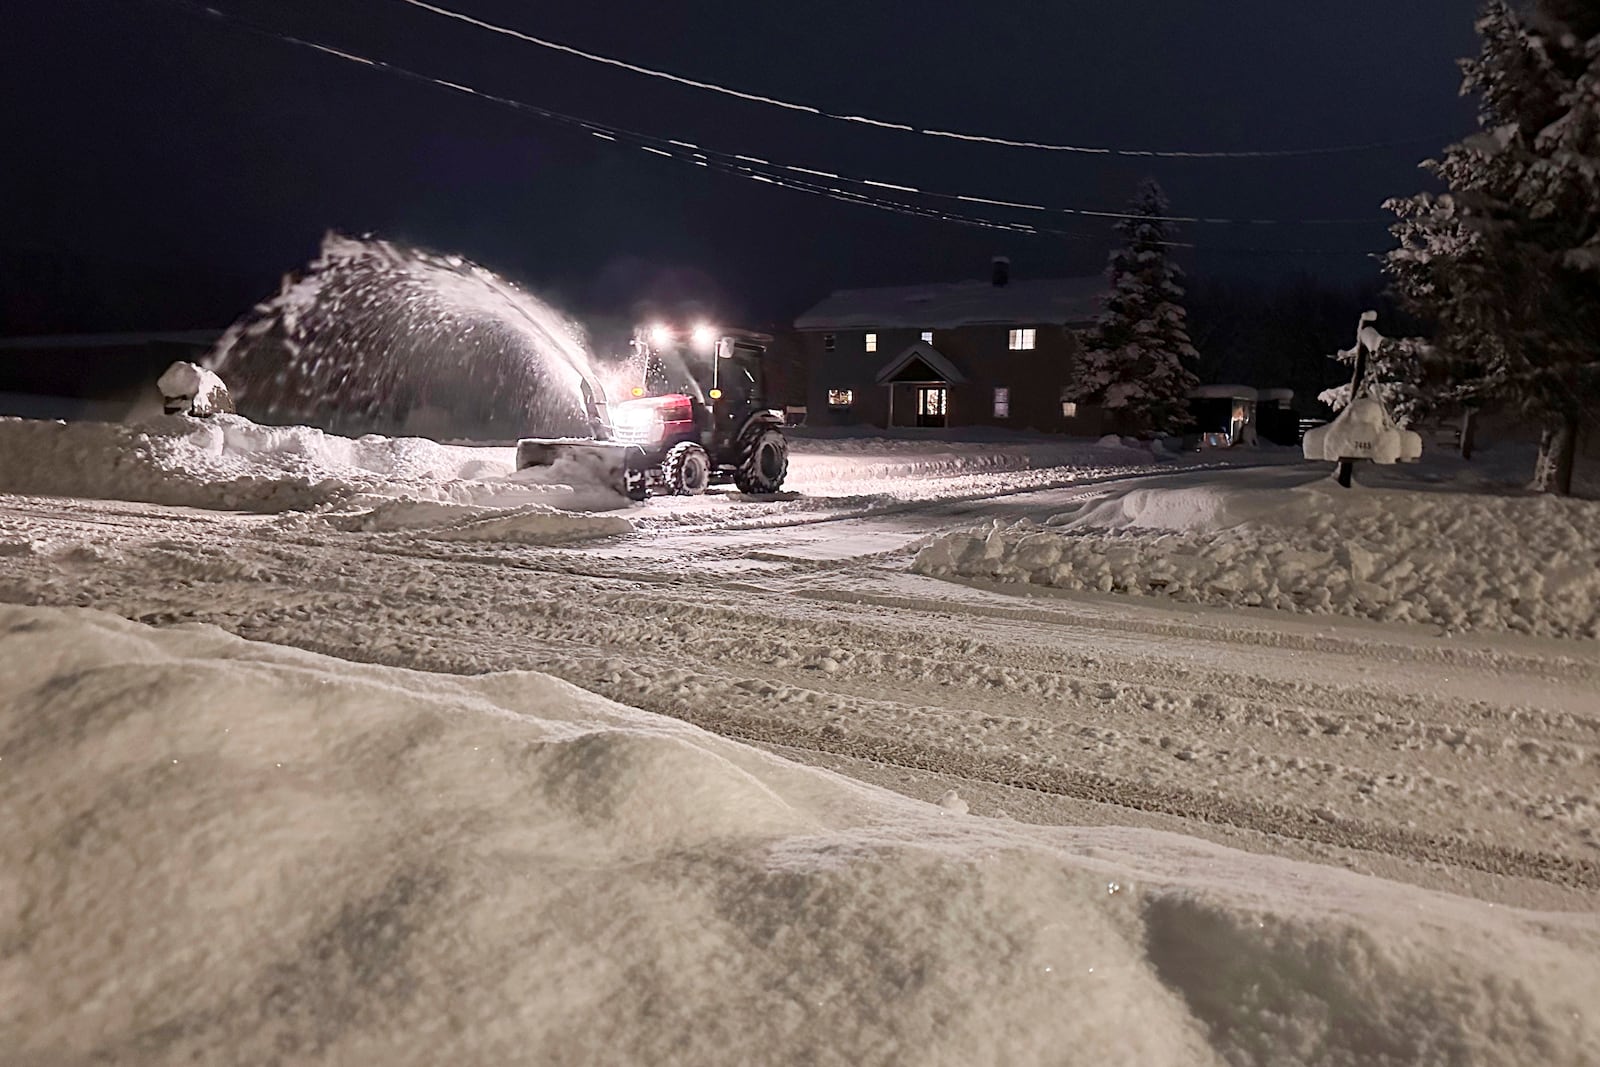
<point>162,170</point>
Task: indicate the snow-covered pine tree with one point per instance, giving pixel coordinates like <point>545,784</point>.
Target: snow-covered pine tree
<point>1507,262</point>
<point>1393,374</point>
<point>1135,362</point>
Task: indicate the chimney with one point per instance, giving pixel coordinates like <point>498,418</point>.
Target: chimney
<point>1000,270</point>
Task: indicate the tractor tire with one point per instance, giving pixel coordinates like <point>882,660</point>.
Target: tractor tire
<point>763,464</point>
<point>686,470</point>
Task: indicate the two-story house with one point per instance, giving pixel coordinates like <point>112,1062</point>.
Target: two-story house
<point>998,352</point>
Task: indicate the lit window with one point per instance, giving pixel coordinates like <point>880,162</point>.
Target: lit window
<point>872,342</point>
<point>840,398</point>
<point>1002,402</point>
<point>827,342</point>
<point>1023,340</point>
<point>927,335</point>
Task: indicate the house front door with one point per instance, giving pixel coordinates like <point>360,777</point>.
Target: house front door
<point>932,405</point>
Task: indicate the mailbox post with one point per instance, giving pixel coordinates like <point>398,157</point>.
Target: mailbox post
<point>1364,429</point>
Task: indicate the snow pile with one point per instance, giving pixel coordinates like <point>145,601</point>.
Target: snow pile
<point>190,389</point>
<point>1529,564</point>
<point>224,852</point>
<point>230,463</point>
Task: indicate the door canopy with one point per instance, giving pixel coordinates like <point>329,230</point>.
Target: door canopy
<point>920,362</point>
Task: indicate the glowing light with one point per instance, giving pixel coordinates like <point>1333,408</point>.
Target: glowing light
<point>638,390</point>
<point>660,334</point>
<point>716,394</point>
<point>704,336</point>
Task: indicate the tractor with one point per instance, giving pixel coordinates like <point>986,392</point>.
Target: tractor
<point>693,415</point>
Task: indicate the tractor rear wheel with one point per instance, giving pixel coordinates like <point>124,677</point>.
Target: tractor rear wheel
<point>687,470</point>
<point>764,464</point>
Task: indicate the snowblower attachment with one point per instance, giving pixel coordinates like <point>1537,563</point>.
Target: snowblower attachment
<point>673,433</point>
<point>588,462</point>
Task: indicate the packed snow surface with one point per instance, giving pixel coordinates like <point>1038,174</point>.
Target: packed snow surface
<point>218,851</point>
<point>1278,540</point>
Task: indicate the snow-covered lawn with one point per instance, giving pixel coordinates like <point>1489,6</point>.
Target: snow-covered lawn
<point>222,851</point>
<point>1293,540</point>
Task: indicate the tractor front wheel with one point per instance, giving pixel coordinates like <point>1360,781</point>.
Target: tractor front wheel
<point>763,465</point>
<point>687,470</point>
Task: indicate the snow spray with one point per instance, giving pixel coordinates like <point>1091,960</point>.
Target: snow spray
<point>374,336</point>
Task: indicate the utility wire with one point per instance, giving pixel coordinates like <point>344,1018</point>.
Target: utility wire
<point>749,167</point>
<point>811,109</point>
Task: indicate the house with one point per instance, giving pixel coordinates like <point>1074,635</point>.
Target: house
<point>998,352</point>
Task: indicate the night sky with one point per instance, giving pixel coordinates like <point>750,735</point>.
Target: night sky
<point>161,170</point>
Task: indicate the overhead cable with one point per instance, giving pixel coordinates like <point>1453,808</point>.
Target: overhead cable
<point>740,165</point>
<point>812,109</point>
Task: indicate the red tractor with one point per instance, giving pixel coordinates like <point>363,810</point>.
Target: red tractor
<point>694,416</point>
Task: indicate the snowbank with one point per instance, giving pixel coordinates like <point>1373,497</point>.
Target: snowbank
<point>223,852</point>
<point>1523,563</point>
<point>230,463</point>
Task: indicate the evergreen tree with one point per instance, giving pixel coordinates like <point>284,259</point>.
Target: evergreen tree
<point>1136,361</point>
<point>1392,374</point>
<point>1507,261</point>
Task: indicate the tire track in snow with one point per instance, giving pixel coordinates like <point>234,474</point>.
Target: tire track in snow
<point>1273,820</point>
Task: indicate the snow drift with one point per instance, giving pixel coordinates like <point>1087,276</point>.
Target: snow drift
<point>223,852</point>
<point>1458,560</point>
<point>227,462</point>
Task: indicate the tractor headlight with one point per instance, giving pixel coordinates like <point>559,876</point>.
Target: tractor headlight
<point>637,422</point>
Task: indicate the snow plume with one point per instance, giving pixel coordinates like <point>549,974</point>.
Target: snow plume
<point>375,336</point>
<point>219,851</point>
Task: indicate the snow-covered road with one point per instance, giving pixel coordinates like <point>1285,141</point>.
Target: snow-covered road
<point>1469,763</point>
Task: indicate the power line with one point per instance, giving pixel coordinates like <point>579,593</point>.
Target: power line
<point>735,164</point>
<point>668,146</point>
<point>812,109</point>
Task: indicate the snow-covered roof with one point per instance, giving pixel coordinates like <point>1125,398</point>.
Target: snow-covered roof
<point>922,350</point>
<point>950,305</point>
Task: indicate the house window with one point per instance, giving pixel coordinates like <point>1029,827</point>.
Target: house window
<point>872,342</point>
<point>1002,402</point>
<point>827,342</point>
<point>1069,407</point>
<point>840,398</point>
<point>927,336</point>
<point>1023,340</point>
